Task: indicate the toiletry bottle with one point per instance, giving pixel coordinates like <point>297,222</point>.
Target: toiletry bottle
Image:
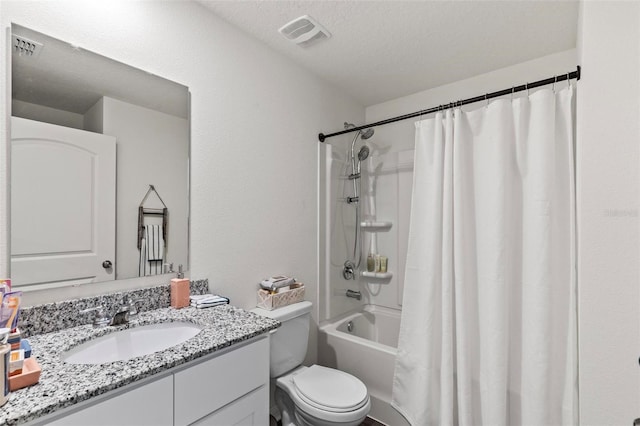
<point>370,258</point>
<point>180,290</point>
<point>5,350</point>
<point>383,263</point>
<point>370,262</point>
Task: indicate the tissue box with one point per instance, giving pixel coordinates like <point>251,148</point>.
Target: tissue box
<point>270,301</point>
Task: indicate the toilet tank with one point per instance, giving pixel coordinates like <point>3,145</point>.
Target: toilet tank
<point>289,342</point>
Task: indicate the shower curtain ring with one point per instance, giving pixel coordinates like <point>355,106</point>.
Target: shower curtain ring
<point>568,80</point>
<point>553,87</point>
<point>513,89</point>
<point>526,86</point>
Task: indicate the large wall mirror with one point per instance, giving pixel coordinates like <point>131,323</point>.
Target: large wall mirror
<point>99,167</point>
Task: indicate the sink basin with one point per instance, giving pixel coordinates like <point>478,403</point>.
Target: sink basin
<point>130,343</point>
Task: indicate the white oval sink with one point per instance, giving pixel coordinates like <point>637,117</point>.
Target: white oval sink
<point>132,342</point>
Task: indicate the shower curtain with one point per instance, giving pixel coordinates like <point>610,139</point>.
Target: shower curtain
<point>488,330</point>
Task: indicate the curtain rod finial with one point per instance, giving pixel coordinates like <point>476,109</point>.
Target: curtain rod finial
<point>321,137</point>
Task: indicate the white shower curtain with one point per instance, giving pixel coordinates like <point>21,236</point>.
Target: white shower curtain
<point>488,332</point>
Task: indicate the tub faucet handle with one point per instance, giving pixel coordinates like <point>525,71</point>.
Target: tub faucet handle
<point>348,272</point>
<point>354,294</point>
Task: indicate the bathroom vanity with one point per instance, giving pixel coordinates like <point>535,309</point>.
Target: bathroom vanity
<point>227,388</point>
<point>220,376</point>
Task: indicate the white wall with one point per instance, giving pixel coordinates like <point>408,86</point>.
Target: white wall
<point>93,119</point>
<point>253,113</point>
<point>152,149</point>
<point>608,160</point>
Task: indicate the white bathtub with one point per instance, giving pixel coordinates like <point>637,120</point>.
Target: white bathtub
<point>364,344</point>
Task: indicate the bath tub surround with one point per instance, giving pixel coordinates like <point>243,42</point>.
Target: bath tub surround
<point>364,344</point>
<point>62,385</point>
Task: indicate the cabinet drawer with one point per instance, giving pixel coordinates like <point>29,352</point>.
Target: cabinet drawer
<point>208,386</point>
<point>250,410</point>
<point>128,408</point>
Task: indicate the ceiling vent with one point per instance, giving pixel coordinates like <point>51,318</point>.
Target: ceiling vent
<point>304,31</point>
<point>25,47</point>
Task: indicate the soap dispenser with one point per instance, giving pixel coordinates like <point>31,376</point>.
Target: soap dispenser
<point>180,290</point>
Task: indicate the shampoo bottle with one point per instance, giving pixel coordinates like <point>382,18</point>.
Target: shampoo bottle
<point>180,290</point>
<point>371,257</point>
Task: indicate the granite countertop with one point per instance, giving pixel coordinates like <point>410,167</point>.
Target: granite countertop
<point>62,384</point>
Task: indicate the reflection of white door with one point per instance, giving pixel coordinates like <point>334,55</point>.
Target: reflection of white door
<point>63,185</point>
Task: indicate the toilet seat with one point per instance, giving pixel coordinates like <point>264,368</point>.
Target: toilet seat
<point>316,405</point>
<point>329,389</point>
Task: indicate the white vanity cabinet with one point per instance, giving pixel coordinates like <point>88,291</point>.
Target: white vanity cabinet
<point>150,404</point>
<point>228,387</point>
<point>220,381</point>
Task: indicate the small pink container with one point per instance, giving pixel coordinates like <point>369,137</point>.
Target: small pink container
<point>30,375</point>
<point>180,292</point>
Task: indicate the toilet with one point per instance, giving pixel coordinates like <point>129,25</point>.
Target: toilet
<point>316,395</point>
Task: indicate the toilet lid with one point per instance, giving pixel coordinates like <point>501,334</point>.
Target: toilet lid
<point>330,389</point>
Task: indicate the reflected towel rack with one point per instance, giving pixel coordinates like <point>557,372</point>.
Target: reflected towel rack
<point>145,211</point>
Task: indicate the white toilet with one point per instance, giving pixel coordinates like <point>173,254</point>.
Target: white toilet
<point>316,395</point>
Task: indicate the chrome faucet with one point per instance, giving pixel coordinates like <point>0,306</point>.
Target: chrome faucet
<point>101,319</point>
<point>125,313</point>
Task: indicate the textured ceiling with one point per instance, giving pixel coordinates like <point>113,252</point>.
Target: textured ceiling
<point>381,50</point>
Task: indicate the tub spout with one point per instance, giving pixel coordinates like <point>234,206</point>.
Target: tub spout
<point>354,294</point>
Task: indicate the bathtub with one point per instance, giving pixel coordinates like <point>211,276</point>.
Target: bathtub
<point>365,344</point>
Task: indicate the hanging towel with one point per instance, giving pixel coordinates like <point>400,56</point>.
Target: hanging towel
<point>151,251</point>
<point>155,242</point>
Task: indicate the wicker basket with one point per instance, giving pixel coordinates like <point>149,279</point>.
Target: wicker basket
<point>270,301</point>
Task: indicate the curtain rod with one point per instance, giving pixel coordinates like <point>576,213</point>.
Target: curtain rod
<point>573,74</point>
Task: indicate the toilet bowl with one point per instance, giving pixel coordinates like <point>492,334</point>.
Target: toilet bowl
<point>321,396</point>
<point>315,395</point>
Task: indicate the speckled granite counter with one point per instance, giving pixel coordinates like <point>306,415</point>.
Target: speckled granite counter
<point>62,385</point>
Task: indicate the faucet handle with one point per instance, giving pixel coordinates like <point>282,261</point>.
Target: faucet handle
<point>101,319</point>
<point>133,308</point>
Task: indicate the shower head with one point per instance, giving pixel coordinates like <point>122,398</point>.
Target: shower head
<point>367,133</point>
<point>363,135</point>
<point>363,153</point>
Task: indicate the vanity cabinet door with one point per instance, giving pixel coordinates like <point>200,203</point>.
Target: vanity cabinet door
<point>212,384</point>
<point>150,404</point>
<point>250,410</point>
